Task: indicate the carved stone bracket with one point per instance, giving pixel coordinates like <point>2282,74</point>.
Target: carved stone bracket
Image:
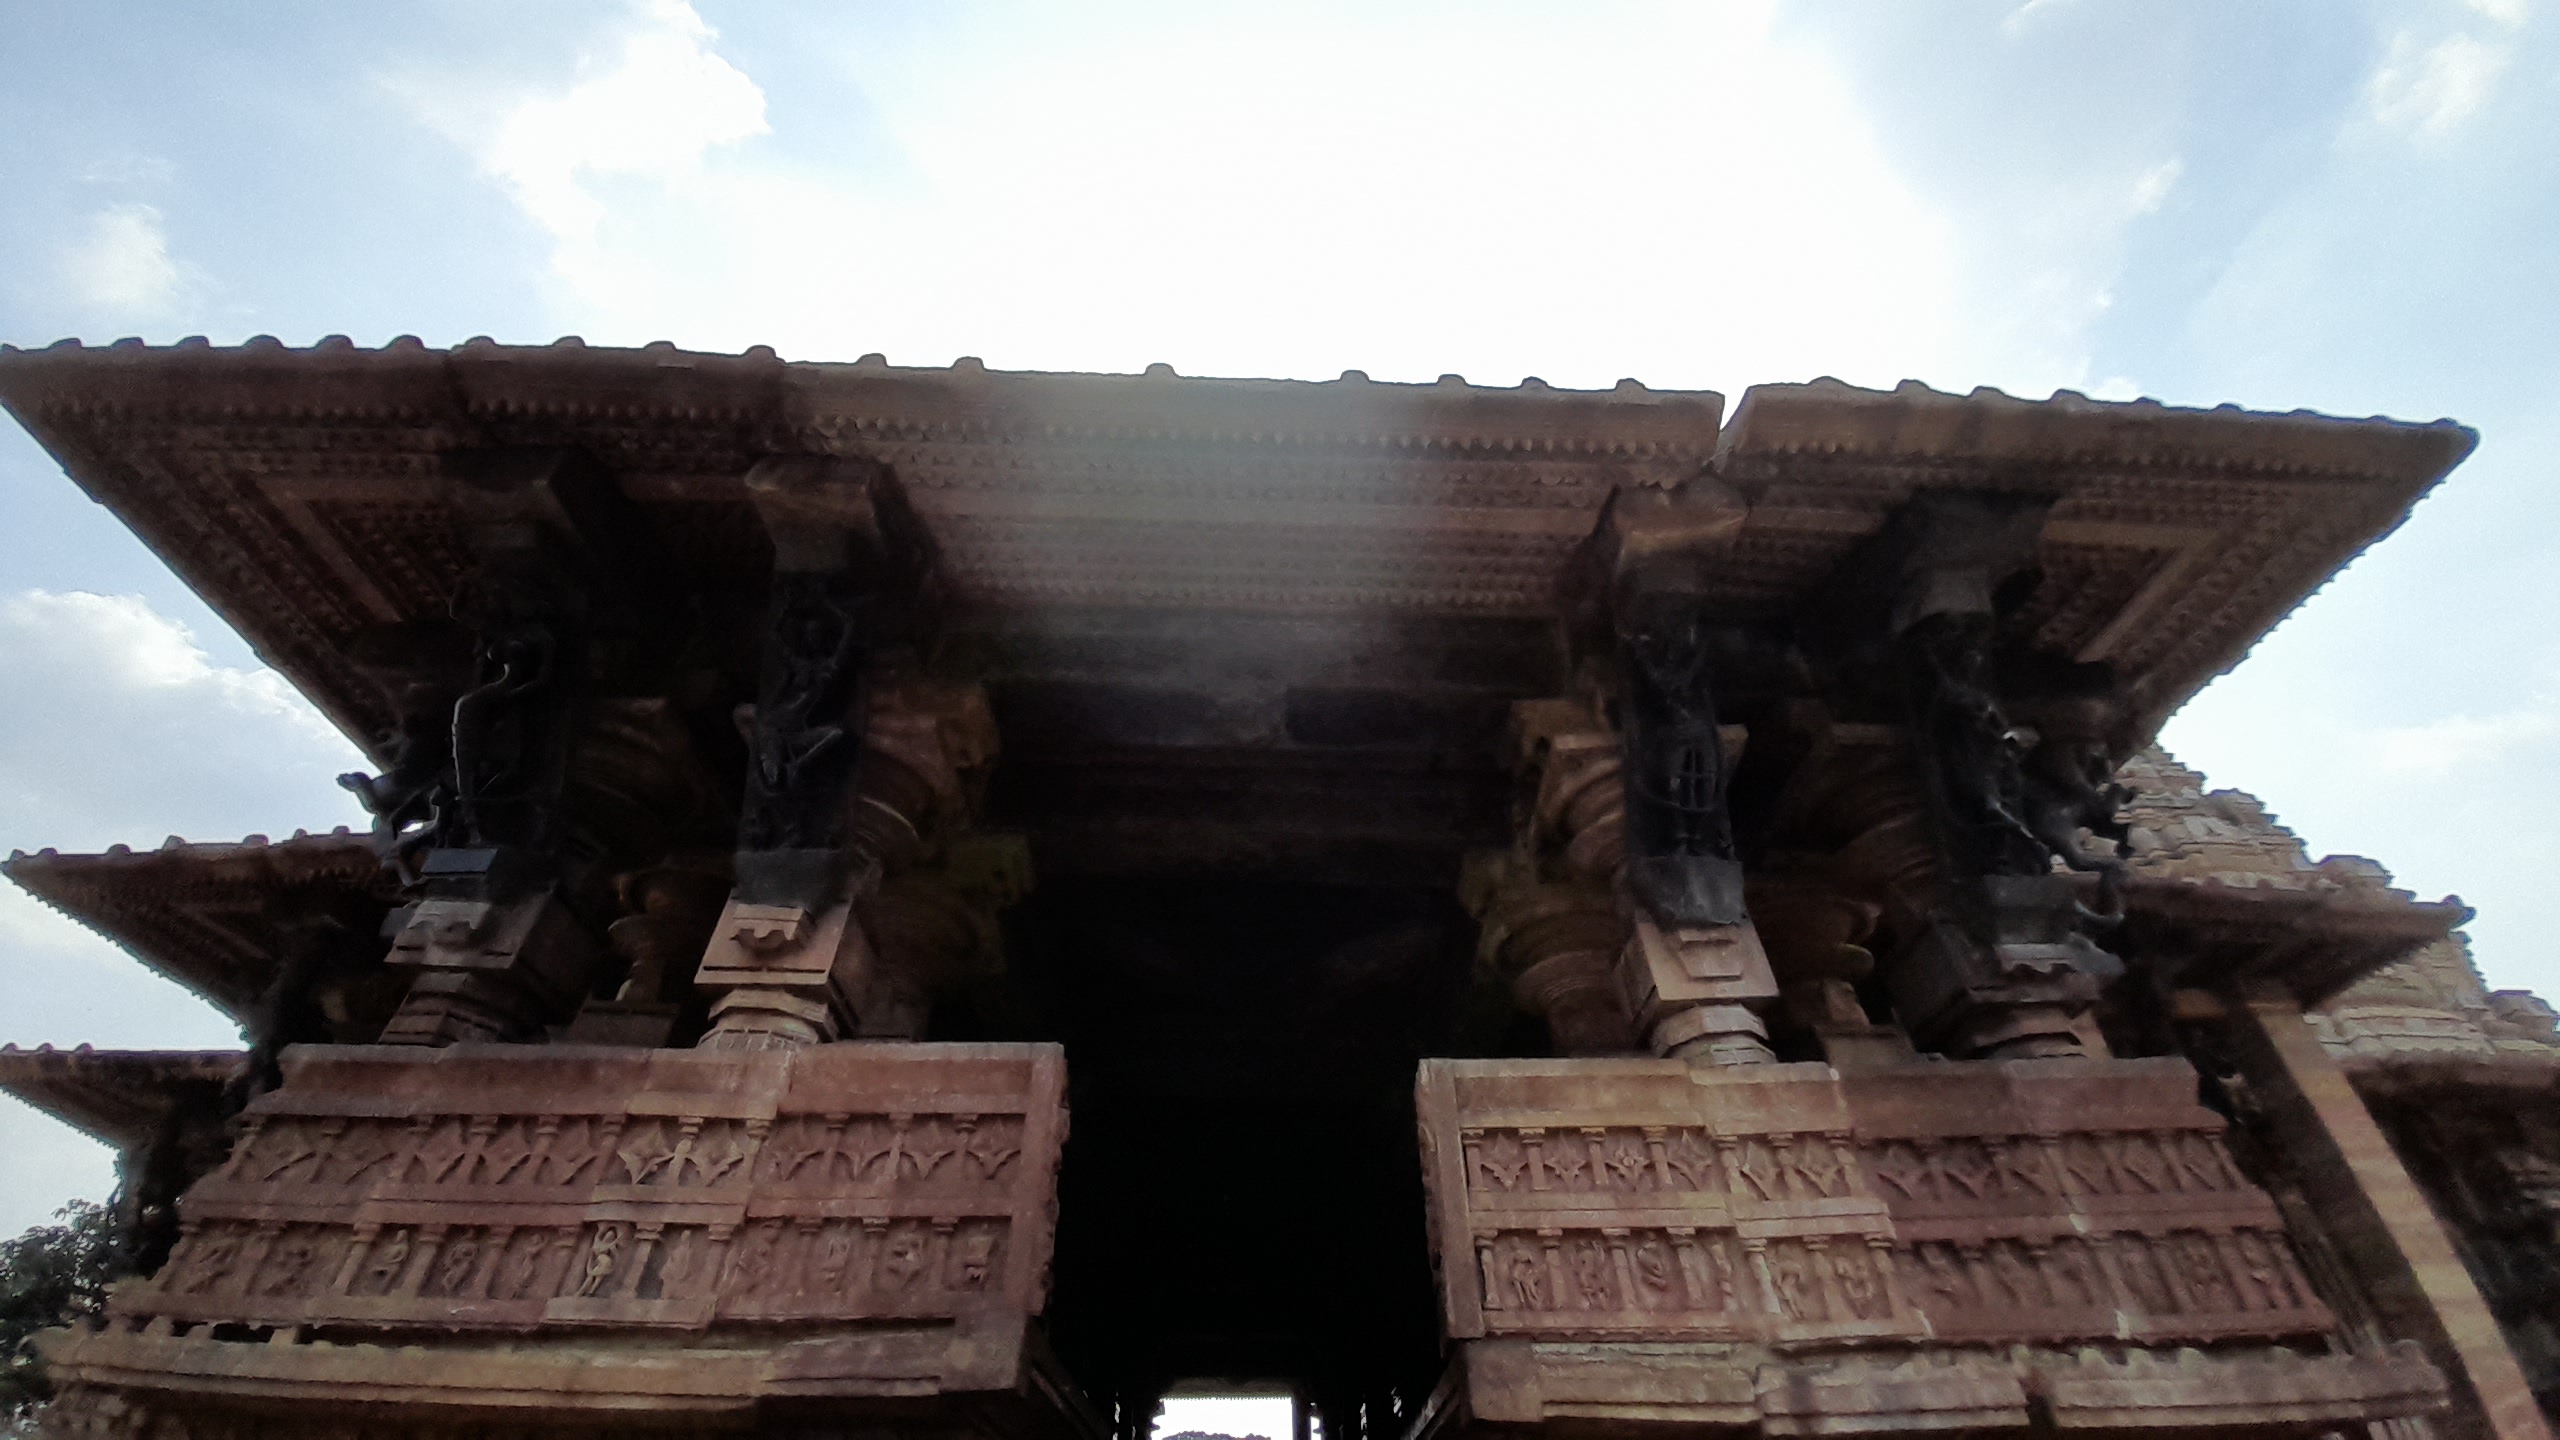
<point>2000,967</point>
<point>781,975</point>
<point>859,772</point>
<point>471,808</point>
<point>1631,817</point>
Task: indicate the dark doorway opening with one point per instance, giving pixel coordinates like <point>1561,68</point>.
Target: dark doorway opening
<point>1241,1193</point>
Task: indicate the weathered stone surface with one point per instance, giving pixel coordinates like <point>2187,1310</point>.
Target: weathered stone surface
<point>1596,1217</point>
<point>849,1221</point>
<point>684,675</point>
<point>1604,1388</point>
<point>1986,1201</point>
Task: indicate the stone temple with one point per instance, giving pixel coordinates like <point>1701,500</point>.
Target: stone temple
<point>1553,913</point>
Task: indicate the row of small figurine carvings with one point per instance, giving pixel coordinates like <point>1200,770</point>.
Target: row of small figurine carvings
<point>598,1269</point>
<point>1533,1164</point>
<point>2198,1284</point>
<point>557,1152</point>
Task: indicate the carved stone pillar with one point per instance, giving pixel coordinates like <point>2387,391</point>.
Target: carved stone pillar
<point>1815,931</point>
<point>1619,915</point>
<point>1693,970</point>
<point>1552,942</point>
<point>672,908</point>
<point>785,956</point>
<point>471,807</point>
<point>857,774</point>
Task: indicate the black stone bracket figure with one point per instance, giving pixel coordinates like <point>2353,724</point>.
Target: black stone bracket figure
<point>1681,863</point>
<point>2007,963</point>
<point>498,739</point>
<point>803,735</point>
<point>562,558</point>
<point>2069,788</point>
<point>852,573</point>
<point>1973,753</point>
<point>491,772</point>
<point>411,801</point>
<point>1635,603</point>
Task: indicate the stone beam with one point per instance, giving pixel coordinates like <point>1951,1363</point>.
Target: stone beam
<point>2387,1232</point>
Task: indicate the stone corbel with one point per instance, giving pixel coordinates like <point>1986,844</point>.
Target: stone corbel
<point>782,976</point>
<point>1693,972</point>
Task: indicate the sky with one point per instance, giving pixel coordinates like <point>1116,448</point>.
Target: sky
<point>2325,204</point>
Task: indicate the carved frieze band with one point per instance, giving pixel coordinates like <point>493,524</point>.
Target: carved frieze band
<point>2139,1229</point>
<point>673,1209</point>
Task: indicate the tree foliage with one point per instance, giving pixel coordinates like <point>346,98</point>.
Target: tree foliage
<point>51,1275</point>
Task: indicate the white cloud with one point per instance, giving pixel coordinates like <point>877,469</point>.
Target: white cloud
<point>122,730</point>
<point>2019,19</point>
<point>2155,184</point>
<point>120,262</point>
<point>133,649</point>
<point>130,168</point>
<point>663,102</point>
<point>2440,747</point>
<point>1524,196</point>
<point>2431,89</point>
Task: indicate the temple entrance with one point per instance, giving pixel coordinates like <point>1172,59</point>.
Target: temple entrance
<point>1241,1194</point>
